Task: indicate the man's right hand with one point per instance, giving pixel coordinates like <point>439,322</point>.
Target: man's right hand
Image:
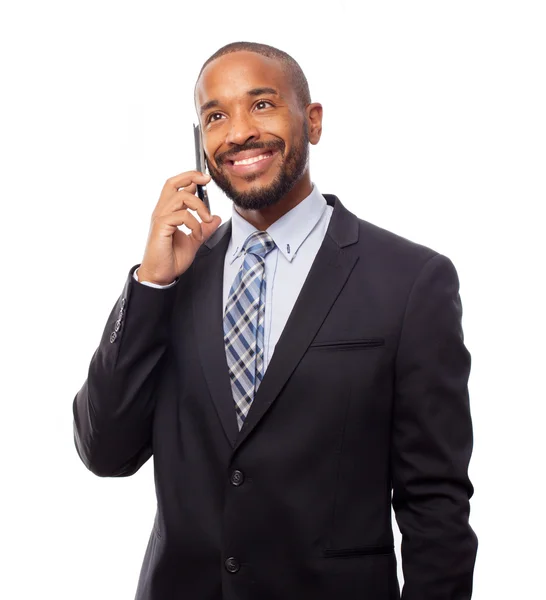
<point>169,252</point>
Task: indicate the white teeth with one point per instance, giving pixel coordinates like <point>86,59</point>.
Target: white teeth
<point>249,161</point>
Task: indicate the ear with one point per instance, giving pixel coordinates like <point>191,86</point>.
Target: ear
<point>314,121</point>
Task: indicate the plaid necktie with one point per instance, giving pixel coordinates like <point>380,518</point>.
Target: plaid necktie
<point>244,323</point>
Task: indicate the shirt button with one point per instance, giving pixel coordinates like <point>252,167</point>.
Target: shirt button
<point>237,478</point>
<point>232,565</point>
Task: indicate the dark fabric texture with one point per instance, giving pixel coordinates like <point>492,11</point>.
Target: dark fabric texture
<point>364,403</point>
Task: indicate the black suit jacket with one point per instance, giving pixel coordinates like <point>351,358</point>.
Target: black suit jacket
<point>365,395</point>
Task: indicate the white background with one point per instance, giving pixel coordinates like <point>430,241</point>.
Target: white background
<point>434,128</point>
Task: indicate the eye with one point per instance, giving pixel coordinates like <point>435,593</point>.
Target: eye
<point>212,117</point>
<point>263,104</point>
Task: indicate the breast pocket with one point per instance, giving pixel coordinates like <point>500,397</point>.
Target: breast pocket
<point>339,368</point>
<point>373,342</point>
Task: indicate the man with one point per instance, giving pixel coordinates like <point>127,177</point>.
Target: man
<point>297,366</point>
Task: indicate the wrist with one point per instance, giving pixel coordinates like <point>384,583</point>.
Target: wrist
<point>148,281</point>
<point>144,276</point>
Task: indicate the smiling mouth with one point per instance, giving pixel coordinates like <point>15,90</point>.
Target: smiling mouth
<point>252,166</point>
<point>251,161</point>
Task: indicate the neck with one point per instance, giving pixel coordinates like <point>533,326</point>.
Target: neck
<point>265,217</point>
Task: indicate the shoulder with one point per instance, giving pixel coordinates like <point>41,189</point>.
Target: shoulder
<point>402,257</point>
<point>384,252</point>
<point>382,243</point>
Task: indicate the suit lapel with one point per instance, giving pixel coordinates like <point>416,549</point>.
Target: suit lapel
<point>207,292</point>
<point>329,273</point>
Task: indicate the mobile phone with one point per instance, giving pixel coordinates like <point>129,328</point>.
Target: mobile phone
<point>200,164</point>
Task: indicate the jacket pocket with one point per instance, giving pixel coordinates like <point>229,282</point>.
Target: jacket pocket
<point>349,344</point>
<point>363,551</point>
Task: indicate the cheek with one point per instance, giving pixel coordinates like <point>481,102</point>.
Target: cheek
<point>293,132</point>
<point>212,143</point>
<point>276,126</point>
<point>211,158</point>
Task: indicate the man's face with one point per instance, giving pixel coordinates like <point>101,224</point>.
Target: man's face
<point>255,133</point>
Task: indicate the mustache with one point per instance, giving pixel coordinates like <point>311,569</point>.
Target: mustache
<point>273,145</point>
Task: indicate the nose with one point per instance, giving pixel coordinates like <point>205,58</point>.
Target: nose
<point>242,129</point>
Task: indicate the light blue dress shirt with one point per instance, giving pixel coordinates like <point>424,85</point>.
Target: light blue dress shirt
<point>298,236</point>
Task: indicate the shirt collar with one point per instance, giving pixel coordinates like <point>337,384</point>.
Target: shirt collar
<point>289,232</point>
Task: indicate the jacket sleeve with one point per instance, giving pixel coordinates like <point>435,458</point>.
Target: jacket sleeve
<point>432,440</point>
<point>113,411</point>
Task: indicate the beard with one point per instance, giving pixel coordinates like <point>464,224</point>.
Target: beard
<point>256,198</point>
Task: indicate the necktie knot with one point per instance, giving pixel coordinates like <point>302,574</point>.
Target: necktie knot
<point>259,243</point>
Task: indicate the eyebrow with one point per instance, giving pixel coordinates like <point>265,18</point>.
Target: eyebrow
<point>208,105</point>
<point>254,92</point>
<point>263,90</point>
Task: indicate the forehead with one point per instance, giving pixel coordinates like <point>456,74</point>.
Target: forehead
<point>231,76</point>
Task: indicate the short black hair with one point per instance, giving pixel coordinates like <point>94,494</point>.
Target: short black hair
<point>299,81</point>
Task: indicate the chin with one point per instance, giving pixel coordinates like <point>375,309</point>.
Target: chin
<point>254,183</point>
<point>255,198</point>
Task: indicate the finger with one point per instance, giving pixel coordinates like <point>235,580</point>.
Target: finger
<point>184,199</point>
<point>209,228</point>
<point>185,179</point>
<point>165,203</point>
<point>179,200</point>
<point>182,217</point>
<point>191,189</point>
<point>172,201</point>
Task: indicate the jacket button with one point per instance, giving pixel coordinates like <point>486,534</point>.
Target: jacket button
<point>117,326</point>
<point>232,565</point>
<point>237,478</point>
<point>113,337</point>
